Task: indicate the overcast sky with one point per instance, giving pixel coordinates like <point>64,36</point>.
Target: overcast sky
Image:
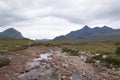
<point>50,18</point>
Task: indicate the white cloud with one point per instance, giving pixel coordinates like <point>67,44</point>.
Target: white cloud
<point>37,28</point>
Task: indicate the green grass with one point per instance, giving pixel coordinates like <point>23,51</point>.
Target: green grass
<point>9,45</point>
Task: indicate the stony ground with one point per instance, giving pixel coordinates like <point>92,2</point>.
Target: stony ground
<point>77,65</point>
<point>63,66</point>
<point>18,62</point>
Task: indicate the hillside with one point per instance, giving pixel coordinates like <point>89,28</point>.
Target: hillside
<point>11,33</point>
<point>87,33</point>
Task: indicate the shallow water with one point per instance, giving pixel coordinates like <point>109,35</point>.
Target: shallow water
<point>36,69</point>
<point>76,77</point>
<point>43,56</point>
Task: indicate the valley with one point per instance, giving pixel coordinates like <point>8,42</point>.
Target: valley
<point>67,61</point>
<point>59,39</point>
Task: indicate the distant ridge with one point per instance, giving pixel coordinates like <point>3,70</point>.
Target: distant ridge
<point>87,33</point>
<point>11,33</point>
<point>42,40</point>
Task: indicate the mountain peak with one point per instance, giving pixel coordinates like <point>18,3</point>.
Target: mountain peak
<point>10,30</point>
<point>107,28</point>
<point>85,27</point>
<point>11,33</point>
<point>96,27</point>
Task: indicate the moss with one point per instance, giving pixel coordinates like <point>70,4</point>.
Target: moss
<point>4,62</point>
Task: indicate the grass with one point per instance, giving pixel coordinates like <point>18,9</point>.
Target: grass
<point>71,52</point>
<point>117,51</point>
<point>9,45</point>
<point>100,47</point>
<point>112,61</point>
<point>94,47</point>
<point>109,48</point>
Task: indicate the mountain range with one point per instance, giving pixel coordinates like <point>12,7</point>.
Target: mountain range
<point>87,34</point>
<point>84,34</point>
<point>11,33</point>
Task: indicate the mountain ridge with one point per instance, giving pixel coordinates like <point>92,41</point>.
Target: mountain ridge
<point>87,33</point>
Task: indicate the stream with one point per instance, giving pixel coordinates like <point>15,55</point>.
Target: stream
<point>40,69</point>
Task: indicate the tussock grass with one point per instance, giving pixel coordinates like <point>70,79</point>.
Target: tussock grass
<point>4,62</point>
<point>71,52</point>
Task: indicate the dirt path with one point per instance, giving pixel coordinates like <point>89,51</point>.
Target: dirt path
<point>60,66</point>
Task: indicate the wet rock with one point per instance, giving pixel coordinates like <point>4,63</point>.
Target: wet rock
<point>38,69</point>
<point>93,78</point>
<point>31,65</point>
<point>77,77</point>
<point>59,75</point>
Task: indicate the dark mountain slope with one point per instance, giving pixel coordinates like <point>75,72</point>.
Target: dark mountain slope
<point>11,33</point>
<point>87,33</point>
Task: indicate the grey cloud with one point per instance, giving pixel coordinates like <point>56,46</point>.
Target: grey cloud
<point>109,11</point>
<point>7,18</point>
<point>72,19</point>
<point>78,12</point>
